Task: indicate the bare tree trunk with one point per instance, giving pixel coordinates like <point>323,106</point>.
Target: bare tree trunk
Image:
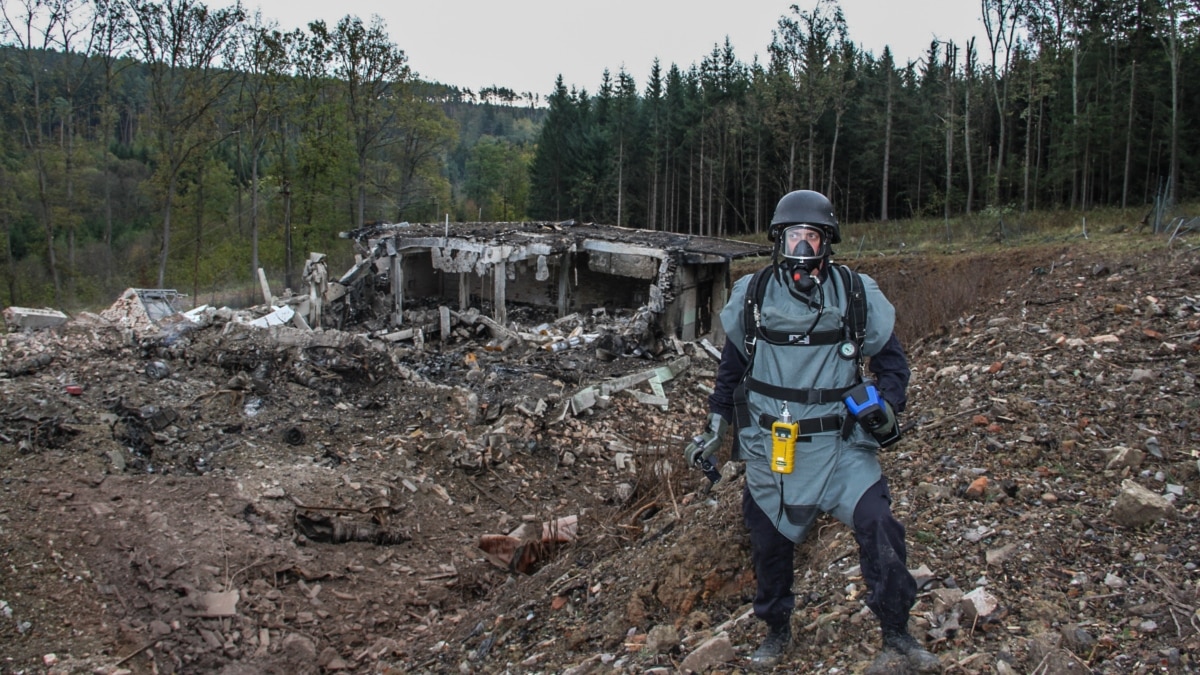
<point>1128,138</point>
<point>951,60</point>
<point>812,140</point>
<point>287,232</point>
<point>1028,144</point>
<point>199,231</point>
<point>691,196</point>
<point>702,223</point>
<point>10,263</point>
<point>837,128</point>
<point>168,198</point>
<point>970,166</point>
<point>108,119</point>
<point>887,153</point>
<point>360,216</point>
<point>758,186</point>
<point>1037,162</point>
<point>967,150</point>
<point>1173,53</point>
<point>791,167</point>
<point>620,177</point>
<point>254,263</point>
<point>652,203</point>
<point>69,171</point>
<point>1075,124</point>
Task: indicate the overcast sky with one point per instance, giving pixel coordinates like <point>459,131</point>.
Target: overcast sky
<point>525,44</point>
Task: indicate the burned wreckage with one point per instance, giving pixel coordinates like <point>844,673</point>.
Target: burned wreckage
<point>674,285</point>
<point>543,320</point>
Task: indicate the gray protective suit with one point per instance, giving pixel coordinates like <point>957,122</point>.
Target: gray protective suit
<point>830,473</point>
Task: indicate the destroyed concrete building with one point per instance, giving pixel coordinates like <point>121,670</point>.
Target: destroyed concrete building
<point>682,281</point>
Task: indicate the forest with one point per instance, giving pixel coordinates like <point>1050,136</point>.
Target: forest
<point>172,144</point>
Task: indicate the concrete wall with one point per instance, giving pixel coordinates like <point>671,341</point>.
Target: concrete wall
<point>590,288</point>
<point>590,279</point>
<point>700,293</point>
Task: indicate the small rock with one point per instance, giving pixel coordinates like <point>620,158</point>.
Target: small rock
<point>996,556</point>
<point>978,534</point>
<point>977,488</point>
<point>978,605</point>
<point>946,598</point>
<point>1136,506</point>
<point>157,370</point>
<point>1077,639</point>
<point>937,493</point>
<point>622,492</point>
<point>713,652</point>
<point>662,639</point>
<point>1140,375</point>
<point>327,656</point>
<point>923,576</point>
<point>1121,457</point>
<point>1004,668</point>
<point>297,648</point>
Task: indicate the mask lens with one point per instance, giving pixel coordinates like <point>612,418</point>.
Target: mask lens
<point>801,241</point>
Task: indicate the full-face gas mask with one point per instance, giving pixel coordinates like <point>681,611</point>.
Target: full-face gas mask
<point>798,255</point>
<point>801,249</point>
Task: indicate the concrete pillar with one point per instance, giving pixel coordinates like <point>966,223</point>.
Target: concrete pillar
<point>720,296</point>
<point>397,274</point>
<point>686,303</point>
<point>564,283</point>
<point>464,291</point>
<point>499,280</point>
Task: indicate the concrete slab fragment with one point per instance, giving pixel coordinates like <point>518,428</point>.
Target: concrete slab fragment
<point>30,318</point>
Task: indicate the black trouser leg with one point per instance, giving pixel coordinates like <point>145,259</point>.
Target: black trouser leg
<point>884,558</point>
<point>772,555</point>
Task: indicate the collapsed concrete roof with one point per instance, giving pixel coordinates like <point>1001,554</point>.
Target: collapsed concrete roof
<point>570,266</point>
<point>559,237</point>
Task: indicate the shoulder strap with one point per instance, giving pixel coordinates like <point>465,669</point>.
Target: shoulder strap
<point>856,310</point>
<point>854,328</point>
<point>750,309</point>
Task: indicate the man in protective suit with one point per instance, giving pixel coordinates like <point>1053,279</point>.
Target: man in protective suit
<point>791,358</point>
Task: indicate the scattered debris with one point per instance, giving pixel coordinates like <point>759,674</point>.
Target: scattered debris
<point>326,529</point>
<point>525,548</point>
<point>151,520</point>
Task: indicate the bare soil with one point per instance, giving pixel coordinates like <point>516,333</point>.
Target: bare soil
<point>232,500</point>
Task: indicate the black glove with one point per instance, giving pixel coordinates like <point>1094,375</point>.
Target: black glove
<point>889,426</point>
<point>887,433</point>
<point>704,446</point>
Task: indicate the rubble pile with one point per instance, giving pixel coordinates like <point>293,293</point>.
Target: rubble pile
<point>200,494</point>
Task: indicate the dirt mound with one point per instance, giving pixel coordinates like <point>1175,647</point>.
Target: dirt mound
<point>218,498</point>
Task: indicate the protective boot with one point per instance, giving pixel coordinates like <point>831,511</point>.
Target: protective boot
<point>920,659</point>
<point>774,646</point>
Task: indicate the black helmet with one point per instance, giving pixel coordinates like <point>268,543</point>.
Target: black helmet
<point>805,207</point>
